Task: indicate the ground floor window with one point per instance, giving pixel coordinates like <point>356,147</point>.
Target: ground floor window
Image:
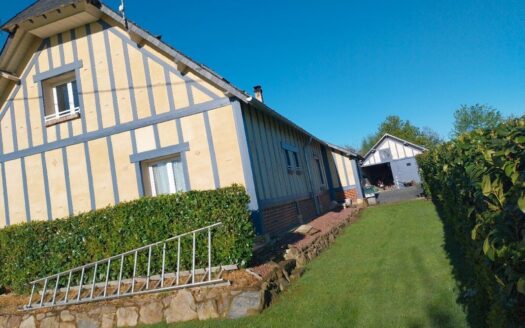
<point>164,176</point>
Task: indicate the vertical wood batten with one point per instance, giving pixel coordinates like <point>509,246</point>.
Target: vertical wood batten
<point>24,186</point>
<point>213,157</point>
<point>46,187</point>
<point>6,197</point>
<point>96,93</point>
<point>111,72</point>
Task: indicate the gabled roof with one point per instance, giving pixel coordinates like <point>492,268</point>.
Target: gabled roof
<point>38,8</point>
<point>385,136</point>
<point>42,7</point>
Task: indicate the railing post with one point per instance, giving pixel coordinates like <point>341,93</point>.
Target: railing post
<point>163,265</point>
<point>178,260</point>
<point>120,273</point>
<point>43,293</point>
<point>94,280</point>
<point>107,278</point>
<point>80,286</point>
<point>134,272</point>
<point>31,297</point>
<point>209,254</point>
<point>193,261</point>
<point>55,291</point>
<point>68,286</point>
<point>149,268</point>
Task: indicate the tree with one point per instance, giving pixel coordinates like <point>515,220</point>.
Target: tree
<point>403,129</point>
<point>469,118</point>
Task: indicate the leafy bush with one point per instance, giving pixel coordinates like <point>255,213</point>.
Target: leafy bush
<point>477,183</point>
<point>33,250</point>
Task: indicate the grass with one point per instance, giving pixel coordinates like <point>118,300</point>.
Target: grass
<point>387,270</point>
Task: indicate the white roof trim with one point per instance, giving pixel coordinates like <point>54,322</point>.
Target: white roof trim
<point>385,136</point>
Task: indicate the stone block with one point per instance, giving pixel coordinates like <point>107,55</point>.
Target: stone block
<point>207,310</point>
<point>127,317</point>
<point>66,316</point>
<point>51,322</point>
<point>182,308</point>
<point>67,325</point>
<point>245,304</point>
<point>108,320</point>
<point>151,313</point>
<point>14,321</point>
<point>83,321</point>
<point>28,322</point>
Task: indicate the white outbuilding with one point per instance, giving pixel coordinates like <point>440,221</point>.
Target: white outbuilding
<point>392,162</point>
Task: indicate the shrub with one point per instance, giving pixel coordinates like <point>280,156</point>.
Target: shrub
<point>477,183</point>
<point>33,250</point>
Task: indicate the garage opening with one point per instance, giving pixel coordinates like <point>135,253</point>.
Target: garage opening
<point>378,175</point>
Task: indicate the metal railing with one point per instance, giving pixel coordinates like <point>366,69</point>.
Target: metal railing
<point>92,282</point>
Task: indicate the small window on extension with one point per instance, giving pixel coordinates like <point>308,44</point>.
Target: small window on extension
<point>296,158</point>
<point>320,170</point>
<point>288,159</point>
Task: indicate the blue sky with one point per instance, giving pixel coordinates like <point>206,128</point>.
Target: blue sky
<point>338,68</point>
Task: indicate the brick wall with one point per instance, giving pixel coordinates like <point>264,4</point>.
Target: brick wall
<point>341,195</point>
<point>325,201</point>
<point>307,209</point>
<point>279,219</point>
<point>351,194</point>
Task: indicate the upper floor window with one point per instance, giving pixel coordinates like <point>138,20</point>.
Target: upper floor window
<point>61,97</point>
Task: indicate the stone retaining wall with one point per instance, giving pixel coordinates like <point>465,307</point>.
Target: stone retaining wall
<point>302,253</point>
<point>187,304</point>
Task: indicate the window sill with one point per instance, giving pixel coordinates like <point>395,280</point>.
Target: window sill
<point>62,119</point>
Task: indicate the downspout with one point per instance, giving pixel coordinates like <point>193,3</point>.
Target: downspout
<point>309,173</point>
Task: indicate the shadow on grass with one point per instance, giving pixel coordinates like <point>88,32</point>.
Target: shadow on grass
<point>438,313</point>
<point>465,277</point>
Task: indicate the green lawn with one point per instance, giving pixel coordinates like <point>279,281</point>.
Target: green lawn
<point>387,270</point>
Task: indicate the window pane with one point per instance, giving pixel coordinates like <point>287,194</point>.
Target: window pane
<point>62,98</point>
<point>160,176</point>
<point>288,160</point>
<point>178,174</point>
<point>320,170</point>
<point>296,160</point>
<point>75,93</point>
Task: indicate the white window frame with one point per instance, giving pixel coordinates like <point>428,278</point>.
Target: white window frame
<point>171,176</point>
<point>71,101</point>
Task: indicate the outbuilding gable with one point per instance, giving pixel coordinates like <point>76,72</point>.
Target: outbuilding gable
<point>391,148</point>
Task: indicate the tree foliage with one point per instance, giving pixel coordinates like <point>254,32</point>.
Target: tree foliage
<point>403,129</point>
<point>477,116</point>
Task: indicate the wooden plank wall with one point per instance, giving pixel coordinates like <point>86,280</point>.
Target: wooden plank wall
<point>274,183</point>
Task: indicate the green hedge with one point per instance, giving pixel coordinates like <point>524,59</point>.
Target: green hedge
<point>33,250</point>
<point>477,183</point>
